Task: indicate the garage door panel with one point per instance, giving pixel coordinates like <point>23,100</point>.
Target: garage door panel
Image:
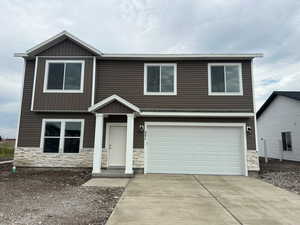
<point>198,150</point>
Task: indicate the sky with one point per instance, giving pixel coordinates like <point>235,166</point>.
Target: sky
<point>150,26</point>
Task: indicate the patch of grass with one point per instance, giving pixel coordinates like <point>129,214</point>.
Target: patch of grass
<point>6,151</point>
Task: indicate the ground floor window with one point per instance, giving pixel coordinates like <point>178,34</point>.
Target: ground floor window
<point>286,141</point>
<point>62,135</point>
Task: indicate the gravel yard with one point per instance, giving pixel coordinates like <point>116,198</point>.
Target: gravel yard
<point>284,174</point>
<point>53,197</point>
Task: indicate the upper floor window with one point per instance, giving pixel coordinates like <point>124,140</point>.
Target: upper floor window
<point>64,76</point>
<point>160,79</point>
<point>225,79</point>
<point>63,136</point>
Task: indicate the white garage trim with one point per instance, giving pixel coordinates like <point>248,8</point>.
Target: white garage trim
<point>241,125</point>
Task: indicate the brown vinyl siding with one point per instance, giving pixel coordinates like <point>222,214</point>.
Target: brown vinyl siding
<point>63,101</point>
<point>115,107</point>
<point>62,46</point>
<point>31,122</point>
<point>126,79</point>
<point>139,136</point>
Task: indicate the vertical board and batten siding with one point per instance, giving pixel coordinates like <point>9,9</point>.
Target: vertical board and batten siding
<point>31,122</point>
<point>282,115</point>
<point>63,101</point>
<point>115,107</point>
<point>126,79</point>
<point>62,47</point>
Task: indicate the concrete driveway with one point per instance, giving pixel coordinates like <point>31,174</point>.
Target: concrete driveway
<point>200,199</point>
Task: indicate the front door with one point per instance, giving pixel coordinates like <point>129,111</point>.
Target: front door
<point>117,145</point>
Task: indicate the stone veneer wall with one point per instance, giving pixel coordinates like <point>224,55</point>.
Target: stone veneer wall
<point>34,157</point>
<point>252,160</point>
<point>138,158</point>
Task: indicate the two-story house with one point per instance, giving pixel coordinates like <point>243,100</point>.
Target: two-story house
<point>159,113</point>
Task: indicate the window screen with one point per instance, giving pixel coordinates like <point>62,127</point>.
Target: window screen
<point>64,76</point>
<point>225,79</point>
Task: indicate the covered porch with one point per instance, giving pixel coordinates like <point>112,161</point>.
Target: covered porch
<point>115,137</point>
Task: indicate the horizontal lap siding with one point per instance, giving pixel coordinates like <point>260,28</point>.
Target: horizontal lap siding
<point>126,79</point>
<point>31,122</point>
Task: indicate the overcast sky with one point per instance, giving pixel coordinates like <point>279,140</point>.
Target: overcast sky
<point>176,26</point>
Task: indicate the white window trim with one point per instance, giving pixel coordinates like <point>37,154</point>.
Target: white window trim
<point>225,93</point>
<point>45,90</point>
<point>160,93</point>
<point>62,134</point>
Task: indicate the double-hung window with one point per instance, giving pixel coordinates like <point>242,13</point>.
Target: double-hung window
<point>225,79</point>
<point>160,79</point>
<point>62,135</point>
<point>286,141</point>
<point>64,76</point>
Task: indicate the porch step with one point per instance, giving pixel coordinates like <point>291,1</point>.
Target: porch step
<point>112,173</point>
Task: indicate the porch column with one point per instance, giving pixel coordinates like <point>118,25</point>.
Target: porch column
<point>98,143</point>
<point>129,144</point>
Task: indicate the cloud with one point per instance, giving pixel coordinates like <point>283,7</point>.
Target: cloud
<point>270,27</point>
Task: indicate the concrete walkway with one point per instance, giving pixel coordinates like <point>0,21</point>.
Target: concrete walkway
<point>106,182</point>
<point>196,200</point>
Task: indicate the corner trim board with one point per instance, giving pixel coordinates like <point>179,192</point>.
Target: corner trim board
<point>254,107</point>
<point>94,80</point>
<point>34,82</point>
<point>21,102</point>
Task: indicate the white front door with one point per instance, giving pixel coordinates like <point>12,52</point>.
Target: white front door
<point>116,144</point>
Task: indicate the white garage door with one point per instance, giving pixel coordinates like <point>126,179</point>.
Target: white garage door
<point>194,149</point>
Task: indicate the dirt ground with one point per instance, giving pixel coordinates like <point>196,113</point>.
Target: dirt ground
<point>284,174</point>
<point>53,197</point>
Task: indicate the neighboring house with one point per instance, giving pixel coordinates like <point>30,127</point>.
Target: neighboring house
<point>163,113</point>
<point>278,126</point>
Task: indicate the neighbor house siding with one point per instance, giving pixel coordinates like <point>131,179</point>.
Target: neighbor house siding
<point>63,101</point>
<point>282,115</point>
<point>31,122</point>
<point>126,79</point>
